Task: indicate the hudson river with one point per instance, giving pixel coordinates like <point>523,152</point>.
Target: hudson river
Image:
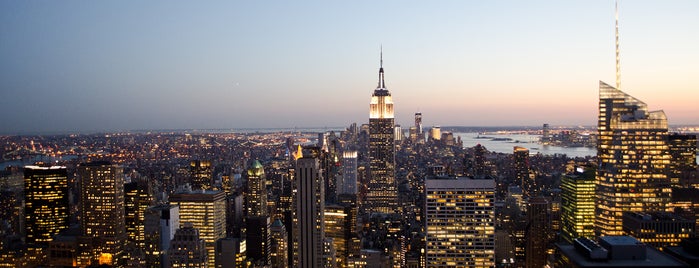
<point>504,143</point>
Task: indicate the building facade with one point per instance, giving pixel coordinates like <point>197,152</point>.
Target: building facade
<point>206,211</point>
<point>46,205</point>
<point>460,222</point>
<point>308,222</point>
<point>102,219</point>
<point>578,205</point>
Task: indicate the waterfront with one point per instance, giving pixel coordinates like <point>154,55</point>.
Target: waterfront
<point>504,143</point>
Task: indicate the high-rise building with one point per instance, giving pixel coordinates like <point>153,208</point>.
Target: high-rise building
<point>230,253</point>
<point>338,226</point>
<point>460,222</point>
<point>578,204</point>
<point>46,205</point>
<point>382,193</point>
<point>546,134</point>
<point>633,156</point>
<point>538,228</point>
<point>349,173</point>
<point>280,244</point>
<point>683,149</point>
<point>435,133</point>
<point>257,221</point>
<point>521,171</point>
<point>160,224</point>
<point>308,222</point>
<point>258,239</point>
<point>256,198</point>
<point>418,122</point>
<point>137,199</point>
<point>201,171</point>
<point>102,210</point>
<point>206,211</point>
<point>187,249</point>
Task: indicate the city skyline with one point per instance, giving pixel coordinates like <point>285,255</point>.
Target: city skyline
<point>115,66</point>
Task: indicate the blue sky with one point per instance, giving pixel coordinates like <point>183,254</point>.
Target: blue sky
<point>123,65</point>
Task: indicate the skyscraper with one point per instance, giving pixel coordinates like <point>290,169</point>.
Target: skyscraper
<point>382,195</point>
<point>258,222</point>
<point>206,211</point>
<point>683,149</point>
<point>578,205</point>
<point>187,249</point>
<point>256,198</point>
<point>137,199</point>
<point>45,202</point>
<point>521,170</point>
<point>349,173</point>
<point>418,122</point>
<point>538,228</point>
<point>632,153</point>
<point>633,156</point>
<point>201,174</point>
<point>280,244</point>
<point>161,223</point>
<point>460,222</point>
<point>102,210</point>
<point>309,213</point>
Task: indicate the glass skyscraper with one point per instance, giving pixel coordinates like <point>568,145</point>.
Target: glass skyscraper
<point>633,158</point>
<point>45,202</point>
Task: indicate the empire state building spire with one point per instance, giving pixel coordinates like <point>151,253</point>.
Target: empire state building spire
<point>382,83</point>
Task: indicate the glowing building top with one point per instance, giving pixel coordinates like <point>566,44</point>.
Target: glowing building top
<point>381,105</point>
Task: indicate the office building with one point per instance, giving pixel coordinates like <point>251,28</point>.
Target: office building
<point>187,249</point>
<point>308,222</point>
<point>206,211</point>
<point>683,150</point>
<point>160,224</point>
<point>339,226</point>
<point>137,198</point>
<point>658,229</point>
<point>578,204</point>
<point>230,253</point>
<point>46,205</point>
<point>521,171</point>
<point>460,222</point>
<point>382,194</point>
<point>258,239</point>
<point>201,174</point>
<point>349,174</point>
<point>256,198</point>
<point>633,156</point>
<point>435,133</point>
<point>610,252</point>
<point>280,245</point>
<point>102,211</point>
<point>538,228</point>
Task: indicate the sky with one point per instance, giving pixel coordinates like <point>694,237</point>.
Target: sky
<point>89,66</point>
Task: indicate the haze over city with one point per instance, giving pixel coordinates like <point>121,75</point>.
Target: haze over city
<point>104,66</point>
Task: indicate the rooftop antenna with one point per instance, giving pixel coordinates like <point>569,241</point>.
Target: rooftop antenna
<point>618,65</point>
<point>382,84</point>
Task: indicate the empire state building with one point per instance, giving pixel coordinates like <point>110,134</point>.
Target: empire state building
<point>382,196</point>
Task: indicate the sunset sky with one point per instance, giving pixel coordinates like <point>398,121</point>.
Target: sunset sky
<point>124,65</point>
